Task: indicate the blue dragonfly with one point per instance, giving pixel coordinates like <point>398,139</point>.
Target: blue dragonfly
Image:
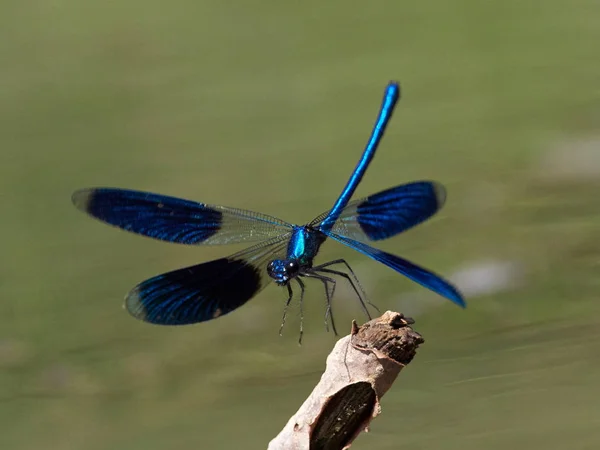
<point>283,252</point>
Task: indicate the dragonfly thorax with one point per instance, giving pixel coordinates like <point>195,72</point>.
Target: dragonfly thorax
<point>283,270</point>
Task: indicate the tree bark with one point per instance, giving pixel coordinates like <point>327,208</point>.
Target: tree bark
<point>359,371</point>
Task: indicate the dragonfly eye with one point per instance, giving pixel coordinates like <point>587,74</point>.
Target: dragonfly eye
<point>277,269</point>
<point>292,268</point>
<point>282,271</point>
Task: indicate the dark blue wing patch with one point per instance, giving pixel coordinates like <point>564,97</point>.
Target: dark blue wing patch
<point>204,291</point>
<point>395,210</point>
<point>176,220</point>
<point>390,212</point>
<point>195,294</point>
<point>410,270</point>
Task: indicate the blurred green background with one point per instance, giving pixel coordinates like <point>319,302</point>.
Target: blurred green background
<point>266,105</point>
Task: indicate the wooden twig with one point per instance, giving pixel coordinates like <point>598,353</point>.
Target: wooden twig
<point>359,371</point>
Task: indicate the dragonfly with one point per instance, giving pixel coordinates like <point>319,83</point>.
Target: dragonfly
<point>283,253</point>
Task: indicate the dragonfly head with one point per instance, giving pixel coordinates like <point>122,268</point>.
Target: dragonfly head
<point>282,270</point>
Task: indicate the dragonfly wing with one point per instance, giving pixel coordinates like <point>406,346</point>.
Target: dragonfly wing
<point>390,212</point>
<point>410,270</point>
<point>176,220</point>
<point>205,291</point>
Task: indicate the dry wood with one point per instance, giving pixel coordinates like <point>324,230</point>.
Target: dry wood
<point>359,371</point>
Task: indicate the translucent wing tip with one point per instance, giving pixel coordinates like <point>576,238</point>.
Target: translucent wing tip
<point>140,306</point>
<point>82,199</point>
<point>440,193</point>
<point>134,305</point>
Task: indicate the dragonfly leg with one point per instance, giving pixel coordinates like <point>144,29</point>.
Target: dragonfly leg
<point>301,283</point>
<point>357,281</point>
<point>291,295</point>
<point>358,293</point>
<point>354,282</point>
<point>329,295</point>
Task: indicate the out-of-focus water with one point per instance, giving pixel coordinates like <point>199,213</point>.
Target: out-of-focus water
<point>266,106</point>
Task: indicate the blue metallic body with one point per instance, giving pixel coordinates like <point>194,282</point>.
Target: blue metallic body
<point>282,252</point>
<point>391,96</point>
<point>304,244</point>
<point>298,250</point>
